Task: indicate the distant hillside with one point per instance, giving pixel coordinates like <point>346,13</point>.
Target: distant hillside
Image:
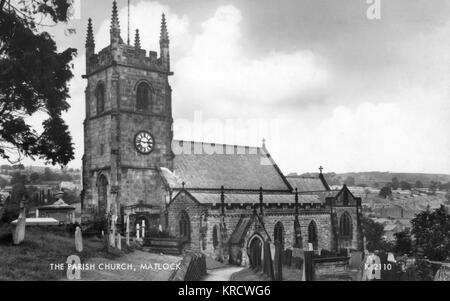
<point>381,178</point>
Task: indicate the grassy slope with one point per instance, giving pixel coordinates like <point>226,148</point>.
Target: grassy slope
<point>31,260</point>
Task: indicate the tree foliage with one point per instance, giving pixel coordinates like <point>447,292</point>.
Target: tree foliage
<point>403,242</point>
<point>395,184</point>
<point>373,234</point>
<point>431,230</point>
<point>385,192</point>
<point>34,79</point>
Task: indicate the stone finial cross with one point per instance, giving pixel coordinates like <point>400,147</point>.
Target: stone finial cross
<point>320,168</point>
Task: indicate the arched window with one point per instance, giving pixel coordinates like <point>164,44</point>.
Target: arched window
<point>215,237</point>
<point>312,234</point>
<point>100,96</point>
<point>143,97</point>
<point>102,186</point>
<point>278,233</point>
<point>184,226</point>
<point>345,225</point>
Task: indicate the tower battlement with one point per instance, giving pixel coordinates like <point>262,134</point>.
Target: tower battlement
<point>120,53</point>
<point>127,56</point>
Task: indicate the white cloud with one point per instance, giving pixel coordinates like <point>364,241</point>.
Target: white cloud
<point>217,71</point>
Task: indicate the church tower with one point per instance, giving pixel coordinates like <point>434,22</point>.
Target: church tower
<point>128,125</point>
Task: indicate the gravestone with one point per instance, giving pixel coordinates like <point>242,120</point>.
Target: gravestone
<point>355,260</point>
<point>371,268</point>
<point>78,240</point>
<point>297,257</point>
<point>143,229</point>
<point>19,232</point>
<point>127,220</point>
<point>119,242</point>
<point>112,232</point>
<point>278,261</point>
<point>308,266</point>
<point>138,231</point>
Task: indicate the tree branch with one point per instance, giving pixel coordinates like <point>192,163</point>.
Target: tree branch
<point>2,3</point>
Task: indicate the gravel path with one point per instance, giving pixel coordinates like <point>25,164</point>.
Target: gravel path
<point>222,274</point>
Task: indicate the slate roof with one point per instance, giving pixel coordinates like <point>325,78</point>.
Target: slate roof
<point>304,184</point>
<point>209,166</point>
<point>253,198</point>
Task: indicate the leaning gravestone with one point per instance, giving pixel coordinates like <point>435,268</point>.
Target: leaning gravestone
<point>19,232</point>
<point>78,240</point>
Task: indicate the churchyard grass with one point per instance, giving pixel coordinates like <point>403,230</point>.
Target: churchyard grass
<point>32,259</point>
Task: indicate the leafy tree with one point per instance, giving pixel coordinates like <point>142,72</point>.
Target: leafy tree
<point>395,184</point>
<point>373,234</point>
<point>385,192</point>
<point>34,78</point>
<point>419,184</point>
<point>3,182</point>
<point>431,231</point>
<point>5,167</point>
<point>18,167</point>
<point>405,185</point>
<point>34,177</point>
<point>403,242</point>
<point>18,178</point>
<point>433,187</point>
<point>12,204</point>
<point>349,181</point>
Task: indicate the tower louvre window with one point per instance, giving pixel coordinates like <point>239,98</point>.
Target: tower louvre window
<point>100,96</point>
<point>143,97</point>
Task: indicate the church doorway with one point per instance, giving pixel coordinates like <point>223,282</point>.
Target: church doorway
<point>255,252</point>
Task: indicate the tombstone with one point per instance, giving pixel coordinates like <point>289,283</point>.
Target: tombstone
<point>310,247</point>
<point>138,232</point>
<point>119,242</point>
<point>143,229</point>
<point>103,233</point>
<point>371,268</point>
<point>308,266</point>
<point>355,260</point>
<point>19,232</point>
<point>127,233</point>
<point>78,240</point>
<point>278,262</point>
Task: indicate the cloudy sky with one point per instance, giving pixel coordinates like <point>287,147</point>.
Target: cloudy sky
<point>322,83</point>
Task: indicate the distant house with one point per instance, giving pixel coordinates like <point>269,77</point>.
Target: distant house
<point>68,185</point>
<point>390,230</point>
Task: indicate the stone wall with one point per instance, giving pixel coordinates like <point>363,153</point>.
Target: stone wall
<point>183,202</point>
<point>345,243</point>
<point>109,135</point>
<point>192,268</point>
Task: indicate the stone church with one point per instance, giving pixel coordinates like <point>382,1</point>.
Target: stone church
<point>223,200</point>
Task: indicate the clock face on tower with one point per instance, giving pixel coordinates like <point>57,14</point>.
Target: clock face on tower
<point>143,141</point>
